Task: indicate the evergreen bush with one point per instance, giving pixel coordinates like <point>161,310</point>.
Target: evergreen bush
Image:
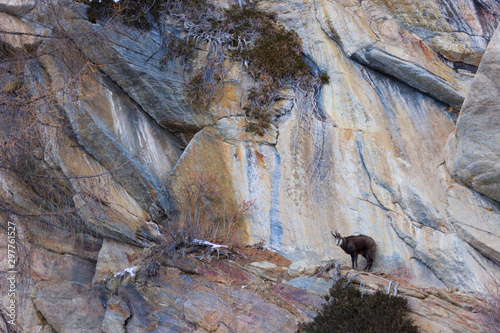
<point>349,310</point>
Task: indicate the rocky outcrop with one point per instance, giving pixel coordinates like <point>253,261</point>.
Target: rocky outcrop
<point>213,296</point>
<point>473,157</point>
<point>134,59</point>
<point>50,297</point>
<point>474,154</point>
<point>359,171</point>
<point>479,228</point>
<point>451,311</point>
<point>15,32</point>
<point>123,138</point>
<point>394,43</point>
<point>114,257</point>
<point>225,150</point>
<point>17,7</point>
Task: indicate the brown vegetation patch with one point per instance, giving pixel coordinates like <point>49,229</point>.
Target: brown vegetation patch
<point>271,54</point>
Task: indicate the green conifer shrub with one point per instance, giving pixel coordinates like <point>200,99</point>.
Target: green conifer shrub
<point>349,310</point>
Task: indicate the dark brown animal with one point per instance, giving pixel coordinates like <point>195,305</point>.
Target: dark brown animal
<point>354,245</point>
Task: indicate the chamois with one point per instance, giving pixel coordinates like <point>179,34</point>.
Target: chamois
<point>355,245</point>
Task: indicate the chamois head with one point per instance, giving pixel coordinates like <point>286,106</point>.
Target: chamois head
<point>337,237</point>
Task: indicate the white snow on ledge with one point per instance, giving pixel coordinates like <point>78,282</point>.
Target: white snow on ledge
<point>202,242</point>
<point>129,270</point>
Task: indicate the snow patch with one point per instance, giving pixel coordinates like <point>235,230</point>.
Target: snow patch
<point>129,270</point>
<point>202,242</point>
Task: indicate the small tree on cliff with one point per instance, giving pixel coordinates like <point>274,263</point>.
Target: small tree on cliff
<point>30,117</point>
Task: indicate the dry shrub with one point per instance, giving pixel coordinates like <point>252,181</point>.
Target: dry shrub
<point>22,121</point>
<point>206,213</point>
<point>277,53</point>
<point>205,84</point>
<point>260,101</point>
<point>33,122</point>
<point>200,207</point>
<point>269,52</point>
<point>140,14</point>
<point>205,220</point>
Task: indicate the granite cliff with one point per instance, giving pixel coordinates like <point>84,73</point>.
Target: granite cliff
<point>403,145</point>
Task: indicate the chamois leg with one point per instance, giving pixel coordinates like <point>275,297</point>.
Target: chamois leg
<point>369,262</point>
<point>354,259</point>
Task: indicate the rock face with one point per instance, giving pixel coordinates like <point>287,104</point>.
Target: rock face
<point>474,157</point>
<point>134,59</point>
<point>380,42</point>
<point>383,155</point>
<point>124,138</point>
<point>50,296</point>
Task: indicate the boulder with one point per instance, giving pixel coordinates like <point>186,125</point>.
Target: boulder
<point>214,156</point>
<point>313,285</point>
<point>17,7</point>
<point>113,258</point>
<point>117,312</point>
<point>15,32</point>
<point>301,267</point>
